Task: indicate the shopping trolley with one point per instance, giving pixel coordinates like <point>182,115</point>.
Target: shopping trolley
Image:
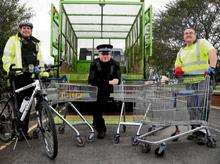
<point>127,93</point>
<point>182,104</point>
<point>62,96</point>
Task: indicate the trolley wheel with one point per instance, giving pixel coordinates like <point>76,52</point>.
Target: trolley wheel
<point>116,138</point>
<point>134,141</point>
<point>211,142</point>
<point>91,137</point>
<point>153,127</point>
<point>35,134</point>
<point>80,141</point>
<point>159,153</point>
<point>150,129</point>
<point>124,128</point>
<point>145,148</point>
<point>61,129</point>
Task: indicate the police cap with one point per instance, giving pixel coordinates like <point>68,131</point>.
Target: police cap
<point>104,48</point>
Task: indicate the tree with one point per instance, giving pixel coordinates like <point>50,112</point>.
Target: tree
<point>11,13</point>
<point>204,15</point>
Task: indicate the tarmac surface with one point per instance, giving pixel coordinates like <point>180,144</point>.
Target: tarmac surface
<point>105,151</point>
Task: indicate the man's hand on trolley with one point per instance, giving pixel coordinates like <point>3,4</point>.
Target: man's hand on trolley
<point>113,82</point>
<point>211,71</point>
<point>178,72</point>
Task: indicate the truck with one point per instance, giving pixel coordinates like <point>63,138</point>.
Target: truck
<point>83,24</point>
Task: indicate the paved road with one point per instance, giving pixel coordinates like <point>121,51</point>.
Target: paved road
<point>106,152</point>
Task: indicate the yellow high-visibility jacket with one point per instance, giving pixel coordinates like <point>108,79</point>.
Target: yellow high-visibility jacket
<point>12,53</point>
<point>194,59</point>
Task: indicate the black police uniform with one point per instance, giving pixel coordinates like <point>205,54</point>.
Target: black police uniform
<point>100,74</point>
<point>29,51</point>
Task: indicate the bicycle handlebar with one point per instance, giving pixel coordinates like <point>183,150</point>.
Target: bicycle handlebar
<point>27,69</point>
<point>11,69</point>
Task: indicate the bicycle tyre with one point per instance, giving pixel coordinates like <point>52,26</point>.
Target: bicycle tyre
<point>6,125</point>
<point>48,130</point>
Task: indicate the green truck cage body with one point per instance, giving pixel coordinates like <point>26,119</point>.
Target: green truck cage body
<point>124,21</point>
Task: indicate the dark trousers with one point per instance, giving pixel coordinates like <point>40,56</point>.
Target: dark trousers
<point>98,120</point>
<point>21,81</point>
<point>199,104</point>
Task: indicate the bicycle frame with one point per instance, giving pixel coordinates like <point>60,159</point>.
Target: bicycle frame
<point>37,86</point>
<point>44,115</point>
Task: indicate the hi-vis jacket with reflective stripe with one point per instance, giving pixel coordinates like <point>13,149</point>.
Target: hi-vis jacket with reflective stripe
<point>194,59</point>
<point>12,53</point>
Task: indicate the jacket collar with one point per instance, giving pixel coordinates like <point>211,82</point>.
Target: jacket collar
<point>185,45</point>
<point>31,38</point>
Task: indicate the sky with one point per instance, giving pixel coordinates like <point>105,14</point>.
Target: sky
<point>41,20</point>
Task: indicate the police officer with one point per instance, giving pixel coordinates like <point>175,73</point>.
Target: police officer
<point>22,50</point>
<point>104,73</point>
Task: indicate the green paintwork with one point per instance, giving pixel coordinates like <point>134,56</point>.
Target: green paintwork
<point>138,42</point>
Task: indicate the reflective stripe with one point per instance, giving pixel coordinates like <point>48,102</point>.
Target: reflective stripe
<point>199,66</point>
<point>180,52</point>
<point>201,72</point>
<point>196,68</point>
<point>195,63</point>
<point>194,79</point>
<point>197,51</point>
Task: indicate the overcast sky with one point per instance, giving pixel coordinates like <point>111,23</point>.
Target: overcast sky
<point>41,20</point>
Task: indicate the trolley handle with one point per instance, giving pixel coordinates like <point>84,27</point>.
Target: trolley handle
<point>49,67</point>
<point>193,75</point>
<point>206,76</point>
<point>125,80</point>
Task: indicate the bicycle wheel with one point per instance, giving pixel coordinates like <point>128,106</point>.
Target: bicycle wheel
<point>6,126</point>
<point>48,130</point>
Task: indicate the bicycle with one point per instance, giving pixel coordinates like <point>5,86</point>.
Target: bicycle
<point>11,116</point>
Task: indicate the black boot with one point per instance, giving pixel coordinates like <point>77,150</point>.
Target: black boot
<point>101,135</point>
